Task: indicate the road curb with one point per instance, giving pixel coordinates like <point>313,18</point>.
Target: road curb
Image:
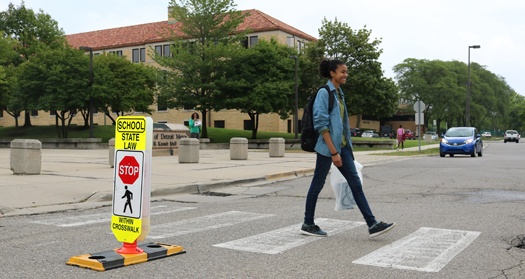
<point>288,174</point>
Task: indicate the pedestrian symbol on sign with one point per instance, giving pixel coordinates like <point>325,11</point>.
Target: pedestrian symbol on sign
<point>129,196</point>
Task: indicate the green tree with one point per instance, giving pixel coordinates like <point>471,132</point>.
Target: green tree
<point>33,31</point>
<point>367,91</point>
<point>431,82</point>
<point>441,85</point>
<point>122,86</point>
<point>204,38</point>
<point>7,74</point>
<point>56,80</point>
<point>516,117</point>
<point>308,74</point>
<point>260,80</point>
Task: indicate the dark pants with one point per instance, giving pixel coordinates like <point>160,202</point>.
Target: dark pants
<point>195,135</point>
<point>322,167</point>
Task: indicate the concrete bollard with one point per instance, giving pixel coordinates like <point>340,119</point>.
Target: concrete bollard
<point>26,156</point>
<point>188,150</point>
<point>239,149</point>
<point>111,145</point>
<point>276,147</point>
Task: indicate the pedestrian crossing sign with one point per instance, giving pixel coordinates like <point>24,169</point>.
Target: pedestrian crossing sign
<point>132,178</point>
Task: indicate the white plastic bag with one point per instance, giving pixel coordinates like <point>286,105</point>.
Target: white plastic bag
<point>343,195</point>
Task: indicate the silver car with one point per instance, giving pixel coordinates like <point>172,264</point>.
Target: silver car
<point>435,136</point>
<point>369,134</point>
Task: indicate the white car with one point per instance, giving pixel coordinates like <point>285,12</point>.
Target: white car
<point>435,136</point>
<point>369,134</point>
<point>486,135</point>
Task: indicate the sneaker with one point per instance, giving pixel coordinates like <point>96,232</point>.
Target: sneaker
<point>313,230</point>
<point>380,228</point>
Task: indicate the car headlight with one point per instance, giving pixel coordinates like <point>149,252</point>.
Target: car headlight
<point>469,141</point>
<point>444,141</point>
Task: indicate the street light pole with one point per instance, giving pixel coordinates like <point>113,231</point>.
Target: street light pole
<point>91,87</point>
<point>467,111</point>
<point>296,114</point>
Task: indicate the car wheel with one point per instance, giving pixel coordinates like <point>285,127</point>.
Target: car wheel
<point>517,141</point>
<point>480,153</point>
<point>451,155</point>
<point>473,152</point>
<point>441,154</point>
<point>505,141</point>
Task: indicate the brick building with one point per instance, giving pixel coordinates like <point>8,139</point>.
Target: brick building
<point>137,42</point>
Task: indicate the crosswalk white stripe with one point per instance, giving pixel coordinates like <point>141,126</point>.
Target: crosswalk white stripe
<point>203,223</point>
<point>426,249</point>
<point>98,218</point>
<point>280,240</point>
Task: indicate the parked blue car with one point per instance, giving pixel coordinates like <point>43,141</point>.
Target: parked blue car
<point>461,140</point>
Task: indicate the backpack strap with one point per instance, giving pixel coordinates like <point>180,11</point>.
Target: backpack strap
<point>331,98</point>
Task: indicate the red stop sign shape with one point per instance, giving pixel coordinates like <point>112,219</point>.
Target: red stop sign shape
<point>128,170</point>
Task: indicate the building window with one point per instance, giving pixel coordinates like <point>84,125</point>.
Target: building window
<point>111,52</point>
<point>218,124</point>
<point>34,113</point>
<point>189,108</point>
<point>95,110</point>
<point>158,49</point>
<point>166,50</point>
<point>52,113</point>
<point>299,47</point>
<point>244,42</point>
<point>143,54</point>
<point>162,104</point>
<point>96,54</point>
<point>253,40</point>
<point>290,41</point>
<point>119,53</point>
<point>186,123</point>
<point>1,113</point>
<point>135,56</point>
<point>114,111</point>
<point>248,124</point>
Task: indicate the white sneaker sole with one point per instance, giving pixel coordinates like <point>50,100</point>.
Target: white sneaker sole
<point>312,234</point>
<point>383,231</point>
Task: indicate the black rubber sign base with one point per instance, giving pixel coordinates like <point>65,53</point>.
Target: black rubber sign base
<point>111,259</point>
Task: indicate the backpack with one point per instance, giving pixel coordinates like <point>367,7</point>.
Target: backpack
<point>309,135</point>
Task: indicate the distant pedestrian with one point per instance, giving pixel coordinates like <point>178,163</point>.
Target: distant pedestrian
<point>335,146</point>
<point>195,126</point>
<point>400,137</point>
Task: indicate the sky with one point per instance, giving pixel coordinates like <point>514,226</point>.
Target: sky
<point>433,30</point>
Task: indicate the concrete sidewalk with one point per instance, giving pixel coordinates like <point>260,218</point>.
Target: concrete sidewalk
<point>73,179</point>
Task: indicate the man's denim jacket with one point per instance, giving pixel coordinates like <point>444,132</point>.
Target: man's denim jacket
<point>332,121</point>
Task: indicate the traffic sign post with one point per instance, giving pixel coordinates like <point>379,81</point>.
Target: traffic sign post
<point>419,107</point>
<point>131,181</point>
<point>130,221</point>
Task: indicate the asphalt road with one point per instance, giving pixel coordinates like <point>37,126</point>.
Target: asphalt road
<point>436,202</point>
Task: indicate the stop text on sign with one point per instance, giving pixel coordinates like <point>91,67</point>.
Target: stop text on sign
<point>128,170</point>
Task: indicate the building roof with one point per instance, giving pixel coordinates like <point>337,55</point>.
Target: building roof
<point>153,32</point>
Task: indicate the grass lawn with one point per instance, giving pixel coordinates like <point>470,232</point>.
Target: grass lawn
<point>106,132</point>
